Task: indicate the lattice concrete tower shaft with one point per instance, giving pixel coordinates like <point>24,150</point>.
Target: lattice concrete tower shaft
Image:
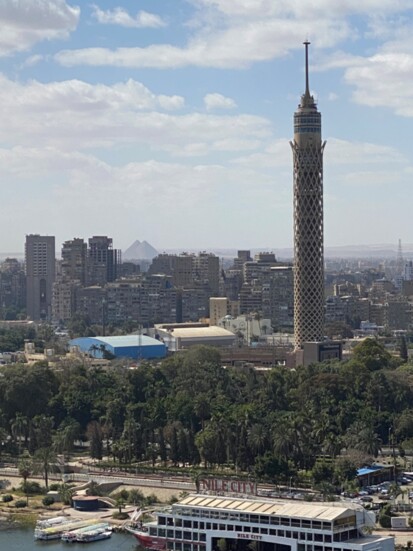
<point>308,149</point>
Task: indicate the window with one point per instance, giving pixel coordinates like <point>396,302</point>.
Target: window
<point>187,536</point>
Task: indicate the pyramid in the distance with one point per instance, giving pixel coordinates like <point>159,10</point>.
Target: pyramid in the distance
<point>140,251</point>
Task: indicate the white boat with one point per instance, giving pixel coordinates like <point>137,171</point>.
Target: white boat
<point>55,532</point>
<point>53,521</point>
<point>74,535</point>
<point>94,535</point>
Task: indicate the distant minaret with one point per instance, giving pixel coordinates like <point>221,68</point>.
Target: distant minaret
<point>308,149</point>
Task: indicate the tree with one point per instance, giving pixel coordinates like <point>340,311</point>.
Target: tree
<point>25,467</point>
<point>372,354</point>
<point>95,437</point>
<point>3,438</point>
<point>404,355</point>
<point>362,437</point>
<point>44,459</point>
<point>19,429</point>
<point>68,432</point>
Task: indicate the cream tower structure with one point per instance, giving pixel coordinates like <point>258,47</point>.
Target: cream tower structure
<point>308,149</point>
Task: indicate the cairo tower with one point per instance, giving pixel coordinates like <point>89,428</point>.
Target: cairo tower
<point>308,150</point>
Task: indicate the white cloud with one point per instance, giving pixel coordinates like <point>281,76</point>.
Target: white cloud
<point>24,23</point>
<point>342,152</point>
<point>303,8</point>
<point>238,33</point>
<point>238,46</point>
<point>75,114</point>
<point>218,101</point>
<point>119,16</point>
<point>138,194</point>
<point>383,80</point>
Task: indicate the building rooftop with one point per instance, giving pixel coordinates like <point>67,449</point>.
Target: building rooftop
<point>314,511</point>
<point>193,332</point>
<point>122,341</point>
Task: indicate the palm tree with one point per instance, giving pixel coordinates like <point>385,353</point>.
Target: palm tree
<point>257,438</point>
<point>25,467</point>
<point>19,429</point>
<point>44,459</point>
<point>65,437</point>
<point>3,438</point>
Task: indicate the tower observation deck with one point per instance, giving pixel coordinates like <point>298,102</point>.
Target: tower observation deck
<point>308,149</point>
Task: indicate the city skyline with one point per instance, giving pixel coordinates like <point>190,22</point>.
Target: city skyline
<point>171,123</point>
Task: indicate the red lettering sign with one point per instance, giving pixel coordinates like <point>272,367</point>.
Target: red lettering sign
<point>225,485</point>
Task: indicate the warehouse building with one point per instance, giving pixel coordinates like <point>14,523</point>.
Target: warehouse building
<point>138,347</point>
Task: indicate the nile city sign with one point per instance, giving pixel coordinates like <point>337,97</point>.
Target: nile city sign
<point>227,485</point>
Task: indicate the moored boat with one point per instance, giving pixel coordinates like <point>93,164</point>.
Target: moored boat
<point>71,536</point>
<point>202,522</point>
<point>94,535</point>
<point>55,532</point>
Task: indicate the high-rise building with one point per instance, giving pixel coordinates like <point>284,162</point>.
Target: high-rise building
<point>74,256</point>
<point>103,260</point>
<point>40,275</point>
<point>308,149</point>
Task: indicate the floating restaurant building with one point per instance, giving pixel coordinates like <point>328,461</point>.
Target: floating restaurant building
<point>208,523</point>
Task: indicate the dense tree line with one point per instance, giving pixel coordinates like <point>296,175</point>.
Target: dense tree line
<point>188,410</point>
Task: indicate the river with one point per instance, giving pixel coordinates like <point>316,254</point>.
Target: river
<point>22,540</point>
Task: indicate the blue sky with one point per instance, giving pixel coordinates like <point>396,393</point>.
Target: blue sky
<point>170,120</point>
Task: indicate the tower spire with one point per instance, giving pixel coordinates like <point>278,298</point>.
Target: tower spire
<point>307,86</point>
<point>307,99</point>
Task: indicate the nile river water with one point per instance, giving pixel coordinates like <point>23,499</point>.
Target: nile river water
<point>22,540</point>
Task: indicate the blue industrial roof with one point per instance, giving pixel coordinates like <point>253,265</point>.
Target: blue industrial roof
<point>369,470</point>
<point>129,346</point>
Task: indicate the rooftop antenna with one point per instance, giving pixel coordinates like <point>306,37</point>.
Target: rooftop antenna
<point>307,100</point>
<point>307,86</point>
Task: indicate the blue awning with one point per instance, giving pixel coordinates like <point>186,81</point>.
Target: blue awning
<point>370,470</point>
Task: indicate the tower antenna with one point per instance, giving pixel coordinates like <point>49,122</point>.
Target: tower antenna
<point>307,85</point>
